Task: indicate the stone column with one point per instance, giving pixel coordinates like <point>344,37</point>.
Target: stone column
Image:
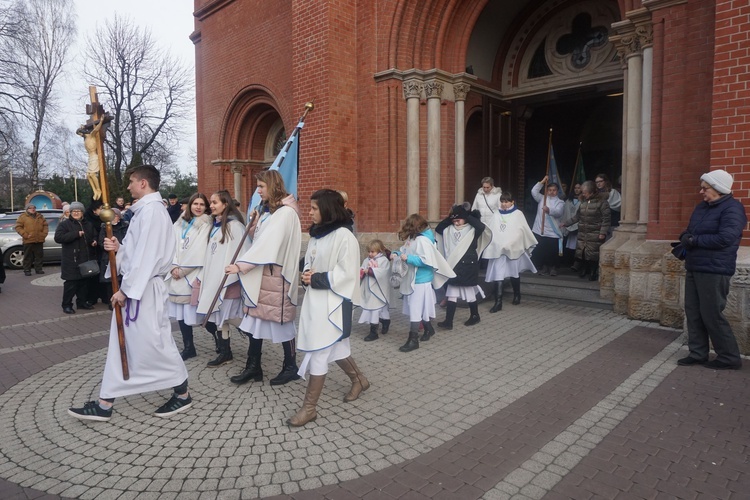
<point>433,91</point>
<point>460,90</point>
<point>412,93</point>
<point>632,166</point>
<point>646,38</point>
<point>237,173</point>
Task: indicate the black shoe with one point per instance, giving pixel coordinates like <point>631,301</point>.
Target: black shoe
<point>411,344</point>
<point>91,411</point>
<point>498,303</point>
<point>40,272</point>
<point>85,305</point>
<point>27,273</point>
<point>429,331</point>
<point>516,299</point>
<point>188,352</point>
<point>688,361</point>
<point>386,325</point>
<point>225,354</point>
<point>373,335</point>
<point>253,369</point>
<point>720,365</point>
<point>69,310</point>
<point>288,374</point>
<point>448,325</point>
<point>473,320</point>
<point>174,405</point>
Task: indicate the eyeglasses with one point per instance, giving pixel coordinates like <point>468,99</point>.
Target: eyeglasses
<point>705,188</point>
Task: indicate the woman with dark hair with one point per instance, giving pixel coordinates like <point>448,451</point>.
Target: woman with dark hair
<point>225,236</point>
<point>331,273</point>
<point>612,196</point>
<point>270,279</point>
<point>190,231</point>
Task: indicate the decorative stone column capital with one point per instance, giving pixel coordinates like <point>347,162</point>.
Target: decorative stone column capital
<point>433,89</point>
<point>627,45</point>
<point>236,168</point>
<point>460,90</point>
<point>645,34</point>
<point>412,89</point>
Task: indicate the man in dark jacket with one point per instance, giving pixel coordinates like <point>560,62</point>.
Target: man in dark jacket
<point>174,209</point>
<point>711,242</point>
<point>33,228</point>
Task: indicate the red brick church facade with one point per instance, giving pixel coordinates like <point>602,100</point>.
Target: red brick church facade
<point>417,100</point>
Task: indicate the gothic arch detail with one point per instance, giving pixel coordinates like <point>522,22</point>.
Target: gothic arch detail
<point>250,126</point>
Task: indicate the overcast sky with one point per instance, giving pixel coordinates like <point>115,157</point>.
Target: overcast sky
<point>170,21</point>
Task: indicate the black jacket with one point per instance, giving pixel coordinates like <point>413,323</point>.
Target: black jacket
<point>467,269</point>
<point>75,248</point>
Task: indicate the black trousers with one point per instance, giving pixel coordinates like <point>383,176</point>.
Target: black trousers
<point>546,252</point>
<point>705,300</point>
<point>32,255</point>
<point>75,288</point>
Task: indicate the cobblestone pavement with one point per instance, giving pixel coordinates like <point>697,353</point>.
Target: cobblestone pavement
<point>537,401</point>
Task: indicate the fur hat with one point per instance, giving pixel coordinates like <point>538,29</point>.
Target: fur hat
<point>460,212</point>
<point>77,205</point>
<point>720,180</point>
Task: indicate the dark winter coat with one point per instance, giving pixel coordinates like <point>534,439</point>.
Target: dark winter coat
<point>593,218</point>
<point>467,269</point>
<point>75,248</point>
<point>716,228</point>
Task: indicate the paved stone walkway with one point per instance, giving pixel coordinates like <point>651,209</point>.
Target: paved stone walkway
<point>537,401</point>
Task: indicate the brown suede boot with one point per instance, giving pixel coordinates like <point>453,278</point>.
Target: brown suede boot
<point>308,413</point>
<point>359,382</point>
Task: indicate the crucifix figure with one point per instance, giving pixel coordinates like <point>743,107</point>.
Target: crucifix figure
<point>90,136</point>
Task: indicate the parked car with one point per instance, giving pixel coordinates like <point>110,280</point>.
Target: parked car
<point>11,243</point>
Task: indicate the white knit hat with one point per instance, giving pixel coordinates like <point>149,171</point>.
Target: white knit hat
<point>720,180</point>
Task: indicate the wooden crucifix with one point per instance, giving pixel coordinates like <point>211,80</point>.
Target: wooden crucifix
<point>93,132</point>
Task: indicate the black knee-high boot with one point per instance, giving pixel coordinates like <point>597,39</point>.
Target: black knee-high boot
<point>253,369</point>
<point>474,318</point>
<point>516,284</point>
<point>212,329</point>
<point>373,335</point>
<point>429,331</point>
<point>289,370</point>
<point>413,341</point>
<point>585,268</point>
<point>450,311</point>
<point>188,350</point>
<point>594,270</point>
<point>498,297</point>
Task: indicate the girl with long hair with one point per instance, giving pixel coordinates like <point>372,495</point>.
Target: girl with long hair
<point>190,231</point>
<point>225,236</point>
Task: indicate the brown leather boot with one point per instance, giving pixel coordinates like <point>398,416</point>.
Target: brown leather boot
<point>359,382</point>
<point>308,413</point>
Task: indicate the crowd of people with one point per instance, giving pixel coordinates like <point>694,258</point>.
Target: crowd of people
<point>211,267</point>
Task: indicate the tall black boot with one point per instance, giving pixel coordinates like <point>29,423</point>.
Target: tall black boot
<point>516,284</point>
<point>585,268</point>
<point>212,329</point>
<point>289,369</point>
<point>253,369</point>
<point>576,265</point>
<point>498,297</point>
<point>594,271</point>
<point>474,318</point>
<point>386,325</point>
<point>373,333</point>
<point>225,354</point>
<point>429,331</point>
<point>450,311</point>
<point>188,350</point>
<point>413,342</point>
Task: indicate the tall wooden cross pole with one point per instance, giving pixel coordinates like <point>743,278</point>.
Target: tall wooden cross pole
<point>98,123</point>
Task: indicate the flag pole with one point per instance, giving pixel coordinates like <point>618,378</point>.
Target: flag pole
<point>546,178</point>
<point>308,107</point>
<point>575,170</point>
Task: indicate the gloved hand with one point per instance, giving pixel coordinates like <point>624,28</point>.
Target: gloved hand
<point>686,240</point>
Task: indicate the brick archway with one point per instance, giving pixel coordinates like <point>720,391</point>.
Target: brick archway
<point>251,117</point>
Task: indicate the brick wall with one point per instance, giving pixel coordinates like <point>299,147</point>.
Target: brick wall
<point>681,111</point>
<point>730,126</point>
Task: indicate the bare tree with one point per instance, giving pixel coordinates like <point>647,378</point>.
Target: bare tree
<point>144,88</point>
<point>36,50</point>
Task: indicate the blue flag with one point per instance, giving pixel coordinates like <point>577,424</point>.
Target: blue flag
<point>286,163</point>
<point>554,175</point>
